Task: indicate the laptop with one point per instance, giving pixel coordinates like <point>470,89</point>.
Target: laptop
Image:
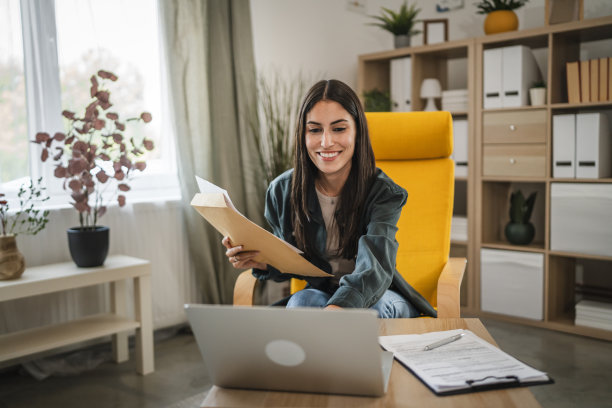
<point>303,350</point>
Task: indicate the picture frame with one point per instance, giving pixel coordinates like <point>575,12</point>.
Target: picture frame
<point>563,11</point>
<point>435,31</point>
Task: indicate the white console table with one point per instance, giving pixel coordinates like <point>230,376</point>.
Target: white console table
<point>63,276</point>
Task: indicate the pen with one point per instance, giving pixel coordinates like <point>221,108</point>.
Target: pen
<point>443,342</point>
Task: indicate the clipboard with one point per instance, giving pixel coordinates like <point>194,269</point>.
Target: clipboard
<point>505,371</point>
<point>214,204</point>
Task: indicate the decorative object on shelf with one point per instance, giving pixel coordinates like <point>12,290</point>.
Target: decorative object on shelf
<point>26,220</point>
<point>520,231</point>
<point>95,158</point>
<point>563,11</point>
<point>377,101</point>
<point>400,24</point>
<point>435,31</point>
<point>442,6</point>
<point>537,93</point>
<point>430,89</point>
<point>500,15</point>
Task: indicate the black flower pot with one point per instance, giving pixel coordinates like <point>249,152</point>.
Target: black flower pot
<point>520,234</point>
<point>88,246</point>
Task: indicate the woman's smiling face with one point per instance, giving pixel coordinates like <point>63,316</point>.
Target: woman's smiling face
<point>330,138</point>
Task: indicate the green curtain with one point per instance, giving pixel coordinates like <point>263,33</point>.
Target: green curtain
<point>211,69</point>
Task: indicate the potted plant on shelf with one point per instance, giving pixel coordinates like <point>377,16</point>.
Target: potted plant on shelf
<point>377,101</point>
<point>400,24</point>
<point>520,231</point>
<point>96,160</point>
<point>500,14</point>
<point>26,220</point>
<point>537,93</point>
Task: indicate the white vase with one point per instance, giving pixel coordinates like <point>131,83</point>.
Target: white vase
<point>537,96</point>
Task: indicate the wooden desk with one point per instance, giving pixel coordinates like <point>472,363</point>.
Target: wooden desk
<point>64,276</point>
<point>405,390</point>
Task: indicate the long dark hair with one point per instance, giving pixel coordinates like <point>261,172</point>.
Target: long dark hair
<point>351,201</point>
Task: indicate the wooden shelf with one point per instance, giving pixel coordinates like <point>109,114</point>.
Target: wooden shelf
<point>582,105</point>
<point>580,255</point>
<point>537,247</point>
<point>458,242</point>
<point>44,338</point>
<point>581,181</point>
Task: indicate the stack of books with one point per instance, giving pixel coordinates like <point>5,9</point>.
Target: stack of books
<point>455,100</point>
<point>589,80</point>
<point>594,314</point>
<point>459,228</point>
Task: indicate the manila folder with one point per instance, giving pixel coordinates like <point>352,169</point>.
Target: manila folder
<point>242,231</point>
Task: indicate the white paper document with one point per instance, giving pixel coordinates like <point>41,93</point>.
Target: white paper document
<point>465,365</point>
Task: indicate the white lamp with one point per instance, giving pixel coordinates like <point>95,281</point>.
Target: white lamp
<point>430,89</point>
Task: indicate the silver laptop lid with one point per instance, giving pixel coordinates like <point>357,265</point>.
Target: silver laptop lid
<point>309,350</point>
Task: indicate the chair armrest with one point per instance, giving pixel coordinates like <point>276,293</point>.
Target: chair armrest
<point>449,288</point>
<point>244,289</point>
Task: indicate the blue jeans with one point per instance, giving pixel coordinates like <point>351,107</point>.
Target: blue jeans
<point>391,304</point>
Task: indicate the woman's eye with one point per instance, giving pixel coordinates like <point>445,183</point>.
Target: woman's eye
<point>339,129</point>
<point>314,130</point>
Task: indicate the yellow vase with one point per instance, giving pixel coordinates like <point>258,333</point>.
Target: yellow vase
<point>12,263</point>
<point>500,21</point>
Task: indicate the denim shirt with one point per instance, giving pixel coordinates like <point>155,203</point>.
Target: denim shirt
<point>374,271</point>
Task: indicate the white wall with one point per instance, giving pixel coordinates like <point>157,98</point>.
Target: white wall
<point>322,38</point>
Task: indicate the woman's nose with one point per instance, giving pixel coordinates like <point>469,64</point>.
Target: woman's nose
<point>326,140</point>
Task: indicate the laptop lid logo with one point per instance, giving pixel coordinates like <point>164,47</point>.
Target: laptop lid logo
<point>285,353</point>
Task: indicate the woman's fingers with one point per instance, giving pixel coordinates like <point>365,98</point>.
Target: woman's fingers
<point>226,242</point>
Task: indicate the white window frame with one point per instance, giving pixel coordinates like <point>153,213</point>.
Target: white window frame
<point>44,107</point>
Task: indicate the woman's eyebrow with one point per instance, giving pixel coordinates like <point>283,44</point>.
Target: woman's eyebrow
<point>312,122</point>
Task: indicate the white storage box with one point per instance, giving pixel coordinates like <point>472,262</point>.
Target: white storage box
<point>581,218</point>
<point>512,283</point>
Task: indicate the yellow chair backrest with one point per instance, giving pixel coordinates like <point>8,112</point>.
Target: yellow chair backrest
<point>413,148</point>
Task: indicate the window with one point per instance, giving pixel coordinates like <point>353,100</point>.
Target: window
<point>13,126</point>
<point>113,35</point>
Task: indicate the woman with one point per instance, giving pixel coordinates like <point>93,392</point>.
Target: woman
<point>340,210</point>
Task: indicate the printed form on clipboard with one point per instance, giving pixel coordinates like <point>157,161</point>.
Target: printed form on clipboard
<point>467,365</point>
<point>214,204</point>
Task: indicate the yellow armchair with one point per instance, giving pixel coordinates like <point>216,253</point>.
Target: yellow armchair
<point>413,148</point>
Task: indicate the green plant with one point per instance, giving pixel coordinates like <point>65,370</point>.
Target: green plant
<point>539,84</point>
<point>94,155</point>
<point>272,122</point>
<point>27,219</point>
<point>488,6</point>
<point>377,101</point>
<point>398,23</point>
<point>521,208</point>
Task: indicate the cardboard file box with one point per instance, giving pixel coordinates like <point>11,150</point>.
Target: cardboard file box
<point>564,146</point>
<point>508,73</point>
<point>460,148</point>
<point>401,84</point>
<point>512,283</point>
<point>593,146</point>
<point>581,218</point>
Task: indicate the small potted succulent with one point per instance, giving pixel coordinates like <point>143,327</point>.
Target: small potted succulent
<point>537,93</point>
<point>96,159</point>
<point>520,231</point>
<point>500,14</point>
<point>400,24</point>
<point>27,220</point>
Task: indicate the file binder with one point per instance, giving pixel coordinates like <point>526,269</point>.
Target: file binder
<point>585,81</point>
<point>573,82</point>
<point>401,84</point>
<point>603,80</point>
<point>564,146</point>
<point>508,74</point>
<point>460,148</point>
<point>469,364</point>
<point>594,93</point>
<point>593,149</point>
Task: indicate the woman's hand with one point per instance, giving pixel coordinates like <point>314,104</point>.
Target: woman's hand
<point>333,307</point>
<point>241,259</point>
